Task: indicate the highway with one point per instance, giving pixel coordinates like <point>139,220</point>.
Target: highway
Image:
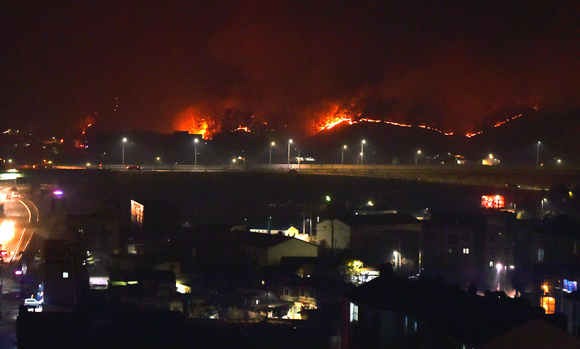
<point>19,224</point>
<point>532,178</point>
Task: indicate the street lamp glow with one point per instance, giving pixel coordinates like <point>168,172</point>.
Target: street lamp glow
<point>416,155</point>
<point>498,266</point>
<point>289,143</point>
<point>362,151</point>
<point>342,157</point>
<point>195,149</point>
<point>538,153</point>
<point>542,202</point>
<point>123,155</point>
<point>6,231</point>
<point>327,198</point>
<point>271,146</point>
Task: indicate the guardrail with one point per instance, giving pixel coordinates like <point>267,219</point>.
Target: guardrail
<point>523,177</point>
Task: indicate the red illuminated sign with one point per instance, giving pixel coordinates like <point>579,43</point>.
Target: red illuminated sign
<point>492,201</point>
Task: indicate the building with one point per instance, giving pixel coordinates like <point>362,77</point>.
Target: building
<point>377,239</point>
<point>394,312</point>
<point>227,249</point>
<point>333,234</point>
<point>571,308</point>
<point>65,281</point>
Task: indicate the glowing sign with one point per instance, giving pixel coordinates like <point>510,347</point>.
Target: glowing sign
<point>137,213</point>
<point>492,201</point>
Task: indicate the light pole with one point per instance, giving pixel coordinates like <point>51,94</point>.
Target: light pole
<point>362,151</point>
<point>271,145</point>
<point>195,148</point>
<point>289,143</point>
<point>123,157</point>
<point>342,157</point>
<point>331,225</point>
<point>538,153</point>
<point>543,200</point>
<point>416,155</point>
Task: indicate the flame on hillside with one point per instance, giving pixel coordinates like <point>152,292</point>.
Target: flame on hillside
<point>198,120</point>
<point>339,116</point>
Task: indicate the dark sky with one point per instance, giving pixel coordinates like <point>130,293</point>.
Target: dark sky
<point>449,64</point>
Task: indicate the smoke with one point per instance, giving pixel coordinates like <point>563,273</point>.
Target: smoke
<point>202,66</point>
<point>403,63</point>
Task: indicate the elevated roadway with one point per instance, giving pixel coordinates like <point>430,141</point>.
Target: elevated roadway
<point>538,178</point>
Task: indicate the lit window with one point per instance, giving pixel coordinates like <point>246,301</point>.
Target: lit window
<point>65,274</point>
<point>545,289</point>
<point>549,304</point>
<point>353,312</point>
<point>466,250</point>
<point>491,264</point>
<point>540,254</point>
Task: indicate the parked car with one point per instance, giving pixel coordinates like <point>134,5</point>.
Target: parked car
<point>33,305</point>
<point>134,168</point>
<point>211,314</point>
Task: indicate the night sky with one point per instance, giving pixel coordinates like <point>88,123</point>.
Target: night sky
<point>159,65</point>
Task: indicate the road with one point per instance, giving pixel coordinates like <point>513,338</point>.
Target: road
<point>20,222</point>
<point>17,228</point>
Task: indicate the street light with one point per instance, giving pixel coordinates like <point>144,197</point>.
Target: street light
<point>416,155</point>
<point>342,158</point>
<point>362,151</point>
<point>397,256</point>
<point>289,142</point>
<point>543,200</point>
<point>195,146</point>
<point>123,159</point>
<point>538,153</point>
<point>331,226</point>
<point>271,145</point>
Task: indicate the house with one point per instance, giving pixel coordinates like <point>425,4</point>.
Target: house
<point>376,238</point>
<point>395,312</point>
<point>222,248</point>
<point>333,233</point>
<point>551,283</point>
<point>571,308</point>
<point>535,333</point>
<point>65,281</point>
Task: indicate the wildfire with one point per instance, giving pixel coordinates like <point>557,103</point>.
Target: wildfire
<point>198,120</point>
<point>342,117</point>
<point>334,117</point>
<point>242,128</point>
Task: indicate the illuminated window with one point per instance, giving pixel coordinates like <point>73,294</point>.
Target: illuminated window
<point>549,304</point>
<point>491,264</point>
<point>65,275</point>
<point>353,312</point>
<point>465,250</point>
<point>540,254</point>
<point>545,289</point>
